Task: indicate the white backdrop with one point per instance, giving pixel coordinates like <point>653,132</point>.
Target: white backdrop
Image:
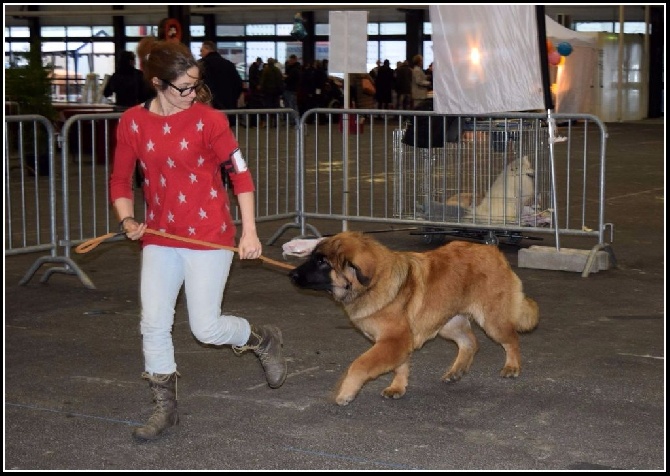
<point>507,75</point>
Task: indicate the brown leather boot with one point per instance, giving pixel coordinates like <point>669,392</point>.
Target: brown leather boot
<point>266,342</point>
<point>164,388</point>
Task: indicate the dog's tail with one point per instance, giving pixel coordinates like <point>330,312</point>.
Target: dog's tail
<point>529,315</point>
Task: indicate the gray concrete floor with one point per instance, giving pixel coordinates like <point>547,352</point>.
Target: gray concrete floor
<point>591,394</point>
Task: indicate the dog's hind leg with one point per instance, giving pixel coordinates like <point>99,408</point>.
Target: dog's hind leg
<point>458,329</point>
<point>385,355</point>
<point>503,333</point>
<point>398,386</point>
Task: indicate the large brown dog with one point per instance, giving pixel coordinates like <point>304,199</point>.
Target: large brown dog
<point>399,300</point>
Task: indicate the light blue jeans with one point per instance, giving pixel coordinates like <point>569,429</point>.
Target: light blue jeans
<point>204,275</point>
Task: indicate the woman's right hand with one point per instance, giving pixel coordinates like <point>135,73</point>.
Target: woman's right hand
<point>134,230</point>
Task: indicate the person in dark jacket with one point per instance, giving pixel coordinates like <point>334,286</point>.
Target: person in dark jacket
<point>384,83</point>
<point>221,77</point>
<point>127,83</point>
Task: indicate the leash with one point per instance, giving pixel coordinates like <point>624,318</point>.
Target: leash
<point>88,245</point>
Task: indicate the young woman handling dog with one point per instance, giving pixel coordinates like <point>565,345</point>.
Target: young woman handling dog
<point>181,143</point>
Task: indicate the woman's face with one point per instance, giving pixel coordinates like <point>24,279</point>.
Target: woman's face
<point>182,91</point>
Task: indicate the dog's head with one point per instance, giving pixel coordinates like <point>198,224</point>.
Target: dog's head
<point>342,265</point>
<point>522,166</point>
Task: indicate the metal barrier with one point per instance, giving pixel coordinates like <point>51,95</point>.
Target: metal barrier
<point>386,173</point>
<point>87,144</point>
<point>487,177</point>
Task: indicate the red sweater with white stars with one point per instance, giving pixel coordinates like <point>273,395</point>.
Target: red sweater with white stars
<point>181,157</point>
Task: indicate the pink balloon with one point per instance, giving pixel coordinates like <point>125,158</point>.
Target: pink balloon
<point>554,58</point>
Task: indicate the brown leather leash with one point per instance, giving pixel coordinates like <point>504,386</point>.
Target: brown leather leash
<point>88,245</point>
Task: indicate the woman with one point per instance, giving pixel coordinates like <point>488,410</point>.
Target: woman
<point>181,144</point>
<point>420,82</point>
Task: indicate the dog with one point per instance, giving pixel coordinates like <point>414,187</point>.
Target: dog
<point>401,299</point>
<point>512,189</point>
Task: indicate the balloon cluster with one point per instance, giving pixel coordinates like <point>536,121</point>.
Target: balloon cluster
<point>298,32</point>
<point>556,55</point>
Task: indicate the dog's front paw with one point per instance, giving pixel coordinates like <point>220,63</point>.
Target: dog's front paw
<point>393,392</point>
<point>509,371</point>
<point>343,400</point>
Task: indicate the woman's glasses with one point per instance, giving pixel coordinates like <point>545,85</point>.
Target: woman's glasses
<point>183,92</point>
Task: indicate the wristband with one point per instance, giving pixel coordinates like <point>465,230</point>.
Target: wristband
<point>122,222</point>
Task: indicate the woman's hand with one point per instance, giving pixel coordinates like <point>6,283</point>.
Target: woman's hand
<point>250,246</point>
<point>134,230</point>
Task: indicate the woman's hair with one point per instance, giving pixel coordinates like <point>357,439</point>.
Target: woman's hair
<point>167,60</point>
<point>417,60</point>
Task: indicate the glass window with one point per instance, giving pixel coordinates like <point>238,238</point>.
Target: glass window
<point>229,30</point>
<point>78,31</point>
<point>393,51</point>
<point>427,28</point>
<point>103,31</point>
<point>141,30</point>
<point>427,54</point>
<point>260,49</point>
<point>610,27</point>
<point>260,30</point>
<point>392,28</point>
<point>321,48</point>
<point>53,31</point>
<point>373,55</point>
<point>322,29</point>
<point>373,28</point>
<point>284,30</point>
<point>197,31</point>
<point>18,32</point>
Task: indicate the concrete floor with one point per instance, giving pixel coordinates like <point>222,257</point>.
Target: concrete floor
<point>591,395</point>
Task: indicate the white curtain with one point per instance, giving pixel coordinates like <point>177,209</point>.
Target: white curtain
<point>486,59</point>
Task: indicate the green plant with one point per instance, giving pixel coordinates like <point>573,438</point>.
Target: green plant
<point>30,85</point>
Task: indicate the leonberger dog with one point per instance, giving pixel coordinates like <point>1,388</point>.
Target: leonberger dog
<point>401,299</point>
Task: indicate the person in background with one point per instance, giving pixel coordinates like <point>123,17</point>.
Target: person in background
<point>403,84</point>
<point>384,83</point>
<point>182,143</point>
<point>420,83</point>
<point>360,98</point>
<point>222,79</point>
<point>292,72</point>
<point>127,83</point>
<point>272,87</point>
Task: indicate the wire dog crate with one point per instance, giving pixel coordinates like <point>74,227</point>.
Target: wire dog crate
<point>494,172</point>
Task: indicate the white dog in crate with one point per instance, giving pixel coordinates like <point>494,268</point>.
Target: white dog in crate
<point>512,190</point>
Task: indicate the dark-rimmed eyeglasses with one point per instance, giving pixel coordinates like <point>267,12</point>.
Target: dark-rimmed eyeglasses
<point>183,92</point>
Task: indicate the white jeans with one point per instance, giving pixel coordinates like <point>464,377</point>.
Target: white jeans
<point>204,275</point>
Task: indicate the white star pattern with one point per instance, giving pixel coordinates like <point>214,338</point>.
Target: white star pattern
<point>181,180</point>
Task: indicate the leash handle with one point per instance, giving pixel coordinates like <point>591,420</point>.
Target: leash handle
<point>88,245</point>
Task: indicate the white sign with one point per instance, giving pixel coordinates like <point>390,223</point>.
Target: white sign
<point>348,42</point>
